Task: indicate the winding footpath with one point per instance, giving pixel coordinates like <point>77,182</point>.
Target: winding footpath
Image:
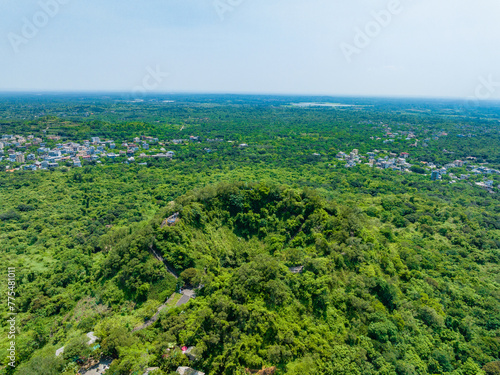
<point>155,317</point>
<point>187,294</point>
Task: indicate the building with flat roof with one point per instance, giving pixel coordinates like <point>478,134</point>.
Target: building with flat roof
<point>19,158</point>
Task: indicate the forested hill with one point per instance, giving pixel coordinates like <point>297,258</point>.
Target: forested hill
<point>317,239</point>
<point>371,298</point>
<point>394,285</point>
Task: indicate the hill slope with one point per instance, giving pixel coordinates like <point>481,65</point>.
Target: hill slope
<point>401,286</point>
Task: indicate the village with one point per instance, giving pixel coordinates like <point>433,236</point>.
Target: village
<point>400,163</point>
<point>31,153</point>
<point>34,154</point>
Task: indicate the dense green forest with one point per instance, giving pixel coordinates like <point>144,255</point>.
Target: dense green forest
<point>299,265</point>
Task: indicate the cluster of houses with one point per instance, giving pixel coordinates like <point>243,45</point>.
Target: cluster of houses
<point>13,149</point>
<point>437,173</point>
<point>391,137</point>
<point>34,153</point>
<point>392,161</point>
<point>400,163</point>
<point>15,145</point>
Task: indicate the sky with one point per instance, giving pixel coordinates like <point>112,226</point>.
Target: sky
<point>409,48</point>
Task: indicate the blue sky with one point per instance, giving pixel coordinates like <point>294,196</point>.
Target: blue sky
<point>419,48</point>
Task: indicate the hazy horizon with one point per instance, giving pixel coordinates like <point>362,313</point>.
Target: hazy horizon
<point>406,48</point>
<point>242,94</point>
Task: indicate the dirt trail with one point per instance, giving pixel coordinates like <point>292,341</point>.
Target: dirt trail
<point>170,269</point>
<point>187,294</point>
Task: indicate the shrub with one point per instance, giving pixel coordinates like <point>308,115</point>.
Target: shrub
<point>492,368</point>
<point>190,276</point>
<point>382,331</point>
<point>25,207</point>
<point>9,215</point>
<point>77,349</point>
<point>418,170</point>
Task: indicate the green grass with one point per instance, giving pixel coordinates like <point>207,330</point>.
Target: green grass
<point>173,301</point>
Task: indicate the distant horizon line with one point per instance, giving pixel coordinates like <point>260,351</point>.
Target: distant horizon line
<point>214,93</point>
